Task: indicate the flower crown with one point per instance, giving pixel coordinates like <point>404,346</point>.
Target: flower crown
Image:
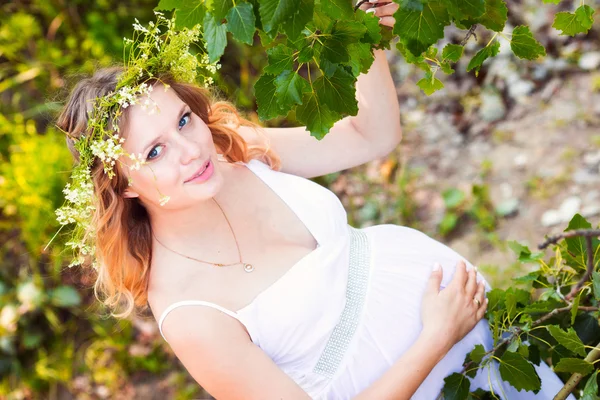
<point>150,54</point>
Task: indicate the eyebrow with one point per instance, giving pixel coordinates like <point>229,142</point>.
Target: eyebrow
<point>157,139</point>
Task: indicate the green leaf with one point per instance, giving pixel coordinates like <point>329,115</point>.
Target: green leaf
<point>517,371</point>
<point>453,197</point>
<point>476,355</point>
<point>264,90</point>
<point>524,45</point>
<point>456,387</point>
<point>495,16</point>
<point>240,22</point>
<point>317,117</point>
<point>188,13</point>
<point>576,246</point>
<point>585,15</point>
<point>274,12</point>
<point>343,33</point>
<point>65,296</point>
<point>482,55</point>
<point>568,339</point>
<point>452,52</point>
<point>296,22</point>
<point>371,22</point>
<point>573,23</point>
<point>280,58</point>
<point>590,391</point>
<point>337,92</point>
<point>289,88</point>
<point>306,54</point>
<point>461,9</point>
<point>338,9</point>
<point>361,57</point>
<point>574,365</point>
<point>430,84</point>
<point>420,25</point>
<point>448,223</point>
<point>215,35</point>
<point>551,1</point>
<point>221,8</point>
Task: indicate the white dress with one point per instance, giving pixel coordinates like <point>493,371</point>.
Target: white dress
<point>344,313</point>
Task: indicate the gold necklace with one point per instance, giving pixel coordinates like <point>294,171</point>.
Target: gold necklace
<point>247,267</point>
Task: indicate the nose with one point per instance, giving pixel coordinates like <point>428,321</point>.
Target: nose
<point>190,150</point>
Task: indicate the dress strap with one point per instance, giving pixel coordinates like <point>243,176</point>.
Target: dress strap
<point>195,303</point>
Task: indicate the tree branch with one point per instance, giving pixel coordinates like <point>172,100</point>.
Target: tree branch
<point>576,378</point>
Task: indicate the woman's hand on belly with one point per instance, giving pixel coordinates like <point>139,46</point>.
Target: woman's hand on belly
<point>449,314</point>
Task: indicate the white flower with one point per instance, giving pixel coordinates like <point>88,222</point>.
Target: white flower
<point>9,317</point>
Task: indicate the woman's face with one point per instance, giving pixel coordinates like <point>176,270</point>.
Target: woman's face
<point>176,144</point>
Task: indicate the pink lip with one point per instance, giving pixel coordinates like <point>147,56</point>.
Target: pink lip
<point>198,171</point>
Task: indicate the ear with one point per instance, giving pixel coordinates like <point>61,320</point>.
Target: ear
<point>129,194</point>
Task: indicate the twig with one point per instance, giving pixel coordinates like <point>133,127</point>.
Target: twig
<point>576,377</point>
<point>470,33</point>
<point>518,331</point>
<point>577,232</point>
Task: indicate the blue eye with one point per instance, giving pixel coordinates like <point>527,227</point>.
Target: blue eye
<point>149,157</point>
<point>186,115</point>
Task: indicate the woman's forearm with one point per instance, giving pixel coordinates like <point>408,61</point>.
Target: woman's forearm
<point>378,117</point>
<point>405,376</point>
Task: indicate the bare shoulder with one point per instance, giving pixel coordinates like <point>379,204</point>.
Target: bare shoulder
<point>219,355</point>
<point>304,155</point>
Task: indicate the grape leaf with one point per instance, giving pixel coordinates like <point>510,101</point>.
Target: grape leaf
<point>574,365</point>
<point>274,12</point>
<point>361,57</point>
<point>430,84</point>
<point>585,15</point>
<point>289,88</point>
<point>280,58</point>
<point>459,9</point>
<point>420,25</point>
<point>495,16</point>
<point>337,92</point>
<point>264,90</point>
<point>221,8</point>
<point>524,45</point>
<point>296,22</point>
<point>215,35</point>
<point>573,23</point>
<point>476,355</point>
<point>240,22</point>
<point>568,339</point>
<point>335,45</point>
<point>482,55</point>
<point>306,54</point>
<point>338,9</point>
<point>317,117</point>
<point>371,22</point>
<point>188,13</point>
<point>456,387</point>
<point>517,371</point>
<point>452,52</point>
<point>590,391</point>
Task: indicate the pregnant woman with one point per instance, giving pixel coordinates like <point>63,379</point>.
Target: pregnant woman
<point>256,280</point>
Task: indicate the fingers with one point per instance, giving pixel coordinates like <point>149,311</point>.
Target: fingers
<point>480,296</point>
<point>435,279</point>
<point>460,275</point>
<point>471,285</point>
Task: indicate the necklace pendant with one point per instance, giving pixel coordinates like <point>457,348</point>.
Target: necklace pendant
<point>248,267</point>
